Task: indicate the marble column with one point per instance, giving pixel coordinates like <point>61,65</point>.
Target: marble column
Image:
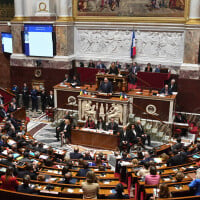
<point>65,10</point>
<point>19,11</point>
<point>28,4</point>
<point>190,69</point>
<point>194,9</point>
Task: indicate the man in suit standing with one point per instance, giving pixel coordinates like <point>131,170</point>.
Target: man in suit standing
<point>34,99</point>
<point>50,99</point>
<point>133,70</point>
<point>113,126</point>
<point>25,96</point>
<point>133,136</point>
<point>15,91</point>
<point>3,113</point>
<point>140,133</point>
<point>43,100</point>
<point>106,86</point>
<point>124,139</point>
<point>1,100</point>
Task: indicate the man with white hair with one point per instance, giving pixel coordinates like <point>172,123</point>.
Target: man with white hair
<point>172,85</point>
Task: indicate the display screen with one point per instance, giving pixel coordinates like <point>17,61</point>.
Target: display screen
<point>38,40</point>
<point>6,39</point>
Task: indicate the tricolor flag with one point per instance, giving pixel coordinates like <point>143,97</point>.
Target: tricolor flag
<point>133,47</point>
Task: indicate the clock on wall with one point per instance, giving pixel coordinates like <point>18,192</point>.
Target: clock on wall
<point>42,6</point>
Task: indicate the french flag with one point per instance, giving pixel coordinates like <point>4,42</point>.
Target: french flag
<point>133,47</point>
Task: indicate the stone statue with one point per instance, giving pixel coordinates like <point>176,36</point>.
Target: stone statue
<point>88,110</point>
<point>115,112</point>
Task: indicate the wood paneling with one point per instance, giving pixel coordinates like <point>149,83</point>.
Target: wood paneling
<point>188,99</point>
<point>51,77</point>
<point>4,61</point>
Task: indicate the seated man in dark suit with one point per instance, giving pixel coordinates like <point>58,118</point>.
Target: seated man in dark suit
<point>28,171</point>
<point>172,85</point>
<point>119,193</point>
<point>25,188</point>
<point>76,154</point>
<point>140,133</point>
<point>75,82</point>
<point>113,126</point>
<point>68,179</point>
<point>67,79</point>
<point>84,171</point>
<point>106,86</point>
<point>166,90</point>
<point>178,146</point>
<point>100,65</point>
<point>124,139</point>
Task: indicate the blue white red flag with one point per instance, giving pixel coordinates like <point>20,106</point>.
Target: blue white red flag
<point>133,47</point>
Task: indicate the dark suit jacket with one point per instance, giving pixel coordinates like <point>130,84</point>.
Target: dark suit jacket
<point>139,130</point>
<point>113,71</point>
<point>113,127</point>
<point>2,100</point>
<point>25,91</point>
<point>26,172</point>
<point>106,88</point>
<point>103,125</point>
<point>101,66</point>
<point>147,69</point>
<point>162,91</point>
<point>91,65</point>
<point>75,82</point>
<point>173,88</point>
<point>25,189</point>
<point>67,131</point>
<point>83,172</point>
<point>117,196</point>
<point>182,119</point>
<point>3,113</point>
<point>44,98</point>
<point>132,136</point>
<point>74,155</point>
<point>124,137</point>
<point>50,101</point>
<point>131,69</point>
<point>34,94</point>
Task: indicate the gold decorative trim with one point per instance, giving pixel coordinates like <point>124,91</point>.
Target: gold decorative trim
<point>18,19</point>
<point>193,21</point>
<point>65,19</point>
<point>132,19</point>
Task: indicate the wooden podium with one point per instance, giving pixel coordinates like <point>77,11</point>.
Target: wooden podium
<point>120,83</point>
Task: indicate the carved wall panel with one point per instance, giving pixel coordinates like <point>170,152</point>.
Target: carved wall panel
<point>152,46</point>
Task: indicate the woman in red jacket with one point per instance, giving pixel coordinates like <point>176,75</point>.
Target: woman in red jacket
<point>9,182</point>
